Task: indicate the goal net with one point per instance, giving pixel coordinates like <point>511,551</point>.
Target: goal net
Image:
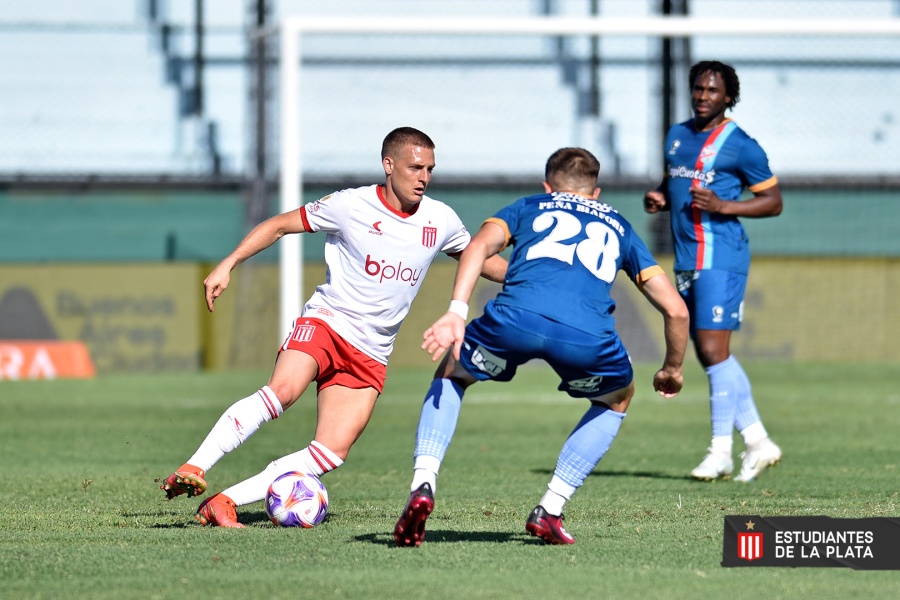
<point>498,95</point>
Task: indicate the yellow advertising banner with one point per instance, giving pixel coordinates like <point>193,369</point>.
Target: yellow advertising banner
<point>152,316</point>
<point>131,317</point>
<point>796,309</point>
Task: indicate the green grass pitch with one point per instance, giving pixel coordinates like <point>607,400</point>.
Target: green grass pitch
<point>82,515</point>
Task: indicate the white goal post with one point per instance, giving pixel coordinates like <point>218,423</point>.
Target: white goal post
<point>292,28</point>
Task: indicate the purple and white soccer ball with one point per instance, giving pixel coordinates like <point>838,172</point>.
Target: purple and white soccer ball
<point>296,499</point>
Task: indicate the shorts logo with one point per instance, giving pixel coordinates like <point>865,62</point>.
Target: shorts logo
<point>487,362</point>
<point>750,545</point>
<point>587,385</point>
<point>429,236</point>
<point>718,312</point>
<point>303,333</point>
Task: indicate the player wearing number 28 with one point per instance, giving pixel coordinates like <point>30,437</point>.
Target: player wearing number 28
<point>555,305</point>
<point>709,161</point>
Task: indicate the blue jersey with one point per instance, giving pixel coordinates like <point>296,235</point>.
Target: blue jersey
<point>725,160</point>
<point>567,250</point>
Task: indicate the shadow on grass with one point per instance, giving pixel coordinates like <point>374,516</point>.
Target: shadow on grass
<point>254,519</point>
<point>442,536</point>
<point>638,474</point>
<point>434,536</point>
<point>257,518</point>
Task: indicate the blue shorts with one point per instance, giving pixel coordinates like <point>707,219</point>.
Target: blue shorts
<point>504,338</point>
<point>715,299</point>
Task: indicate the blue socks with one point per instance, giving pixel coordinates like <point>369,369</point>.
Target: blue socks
<point>583,449</point>
<point>440,412</point>
<point>745,413</point>
<point>586,445</point>
<point>723,391</point>
<point>731,399</point>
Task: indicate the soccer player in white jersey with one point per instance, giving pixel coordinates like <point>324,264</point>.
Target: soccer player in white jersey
<point>380,241</point>
<point>555,305</point>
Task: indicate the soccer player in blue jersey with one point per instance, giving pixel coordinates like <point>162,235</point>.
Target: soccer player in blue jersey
<point>555,305</point>
<point>709,161</point>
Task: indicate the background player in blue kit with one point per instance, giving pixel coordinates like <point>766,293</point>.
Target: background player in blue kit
<point>555,305</point>
<point>709,161</point>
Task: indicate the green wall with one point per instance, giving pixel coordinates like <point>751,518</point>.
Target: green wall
<point>823,285</point>
<point>205,226</point>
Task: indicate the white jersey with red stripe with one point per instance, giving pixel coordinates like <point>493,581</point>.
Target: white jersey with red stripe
<point>376,258</point>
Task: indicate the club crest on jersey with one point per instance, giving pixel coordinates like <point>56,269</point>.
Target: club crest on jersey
<point>429,236</point>
<point>707,152</point>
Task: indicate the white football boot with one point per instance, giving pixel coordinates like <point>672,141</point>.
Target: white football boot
<point>715,465</point>
<point>756,460</point>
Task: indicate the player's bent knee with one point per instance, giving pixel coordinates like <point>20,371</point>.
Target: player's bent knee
<point>617,400</point>
<point>286,392</point>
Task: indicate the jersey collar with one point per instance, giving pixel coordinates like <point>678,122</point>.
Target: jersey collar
<point>379,189</point>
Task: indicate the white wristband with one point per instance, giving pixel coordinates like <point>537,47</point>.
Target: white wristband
<point>458,307</point>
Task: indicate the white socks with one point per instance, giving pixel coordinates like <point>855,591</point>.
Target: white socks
<point>315,459</point>
<point>558,493</point>
<point>721,444</point>
<point>241,420</point>
<point>754,433</point>
<point>425,470</point>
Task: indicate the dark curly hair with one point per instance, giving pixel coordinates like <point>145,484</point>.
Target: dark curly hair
<point>728,74</point>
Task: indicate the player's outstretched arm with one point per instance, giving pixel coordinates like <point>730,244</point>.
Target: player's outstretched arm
<point>261,237</point>
<point>450,329</point>
<point>494,268</point>
<point>665,298</point>
<point>447,332</point>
